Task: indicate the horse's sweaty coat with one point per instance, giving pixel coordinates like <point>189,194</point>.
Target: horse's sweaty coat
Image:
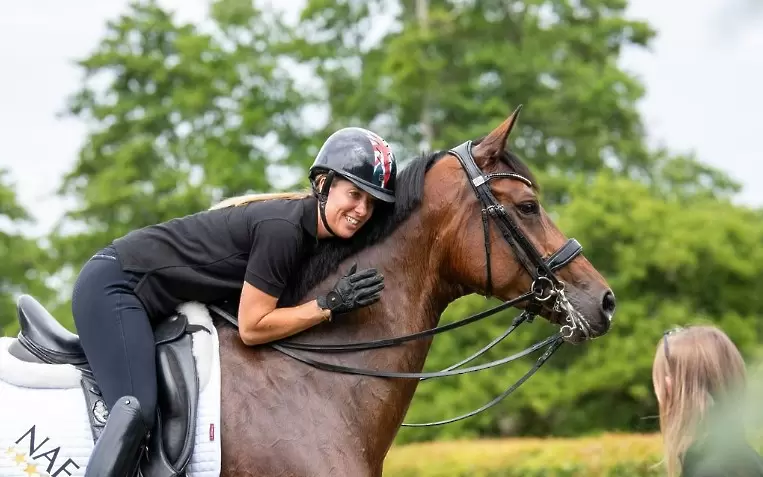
<point>45,429</point>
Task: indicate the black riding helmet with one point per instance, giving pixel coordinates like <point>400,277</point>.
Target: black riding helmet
<point>360,156</point>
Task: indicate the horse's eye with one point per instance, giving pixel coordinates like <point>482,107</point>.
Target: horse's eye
<point>528,208</point>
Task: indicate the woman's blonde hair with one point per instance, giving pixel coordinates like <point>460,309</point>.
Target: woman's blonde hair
<point>693,368</point>
<point>248,198</point>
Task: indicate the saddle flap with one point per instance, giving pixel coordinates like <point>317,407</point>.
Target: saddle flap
<point>171,444</point>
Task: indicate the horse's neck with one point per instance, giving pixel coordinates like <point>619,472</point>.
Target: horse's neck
<point>412,301</point>
<point>414,295</point>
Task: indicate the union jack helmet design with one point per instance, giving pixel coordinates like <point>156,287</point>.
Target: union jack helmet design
<point>384,160</point>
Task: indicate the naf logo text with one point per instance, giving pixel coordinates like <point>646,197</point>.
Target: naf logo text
<point>38,457</point>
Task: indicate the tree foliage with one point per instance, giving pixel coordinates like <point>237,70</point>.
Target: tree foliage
<point>187,115</point>
<point>22,257</point>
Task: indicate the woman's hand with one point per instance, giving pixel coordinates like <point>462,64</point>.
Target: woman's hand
<point>354,290</point>
<point>259,321</point>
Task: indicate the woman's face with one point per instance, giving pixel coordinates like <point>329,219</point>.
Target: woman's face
<point>348,208</point>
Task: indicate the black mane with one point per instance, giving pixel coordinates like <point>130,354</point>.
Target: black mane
<point>386,218</point>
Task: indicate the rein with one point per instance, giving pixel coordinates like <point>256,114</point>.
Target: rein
<point>545,286</point>
<point>552,342</point>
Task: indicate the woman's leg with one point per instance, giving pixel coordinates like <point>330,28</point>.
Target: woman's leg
<point>116,335</point>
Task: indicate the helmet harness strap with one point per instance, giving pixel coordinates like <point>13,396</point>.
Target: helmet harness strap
<point>323,196</point>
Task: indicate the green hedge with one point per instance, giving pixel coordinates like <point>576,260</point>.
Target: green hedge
<point>622,455</point>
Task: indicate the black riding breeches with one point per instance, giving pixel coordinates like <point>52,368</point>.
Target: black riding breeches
<point>115,332</point>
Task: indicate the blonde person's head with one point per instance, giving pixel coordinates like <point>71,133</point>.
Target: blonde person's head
<point>693,368</point>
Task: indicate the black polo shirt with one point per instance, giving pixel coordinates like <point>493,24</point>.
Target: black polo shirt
<point>207,256</point>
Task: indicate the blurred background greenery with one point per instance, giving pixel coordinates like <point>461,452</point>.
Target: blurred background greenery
<point>180,114</point>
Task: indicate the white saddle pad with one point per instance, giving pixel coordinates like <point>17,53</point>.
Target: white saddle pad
<point>44,428</point>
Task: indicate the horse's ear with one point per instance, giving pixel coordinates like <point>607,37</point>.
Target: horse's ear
<point>495,143</point>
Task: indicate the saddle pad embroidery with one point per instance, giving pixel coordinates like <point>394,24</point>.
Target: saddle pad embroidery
<point>46,431</point>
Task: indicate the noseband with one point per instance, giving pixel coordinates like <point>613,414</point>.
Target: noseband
<point>545,285</point>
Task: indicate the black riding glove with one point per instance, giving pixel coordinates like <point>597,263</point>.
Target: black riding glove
<point>352,291</point>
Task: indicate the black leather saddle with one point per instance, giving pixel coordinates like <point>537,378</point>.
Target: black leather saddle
<point>42,339</point>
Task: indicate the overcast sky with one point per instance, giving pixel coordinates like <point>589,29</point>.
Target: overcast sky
<point>703,79</point>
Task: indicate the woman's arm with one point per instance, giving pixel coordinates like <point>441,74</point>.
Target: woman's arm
<point>259,321</point>
<point>273,258</point>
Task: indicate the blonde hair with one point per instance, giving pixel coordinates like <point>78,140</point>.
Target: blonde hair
<point>248,198</point>
<point>702,366</point>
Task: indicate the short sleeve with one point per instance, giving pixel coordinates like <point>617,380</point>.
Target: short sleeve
<point>274,255</point>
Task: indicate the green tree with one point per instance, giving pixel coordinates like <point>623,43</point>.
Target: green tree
<point>23,258</point>
<point>188,115</point>
<point>450,70</point>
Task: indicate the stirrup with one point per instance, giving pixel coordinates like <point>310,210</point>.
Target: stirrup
<point>118,450</point>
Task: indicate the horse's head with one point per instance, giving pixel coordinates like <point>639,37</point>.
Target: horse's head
<point>498,240</point>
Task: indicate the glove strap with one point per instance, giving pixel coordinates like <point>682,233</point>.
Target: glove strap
<point>323,305</point>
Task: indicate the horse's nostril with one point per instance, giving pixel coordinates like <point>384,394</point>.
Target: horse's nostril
<point>608,303</point>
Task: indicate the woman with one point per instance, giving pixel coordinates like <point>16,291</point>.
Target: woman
<point>245,248</point>
<point>699,378</point>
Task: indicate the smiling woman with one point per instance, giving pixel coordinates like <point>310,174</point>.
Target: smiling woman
<point>366,163</point>
<point>346,211</point>
<point>248,247</point>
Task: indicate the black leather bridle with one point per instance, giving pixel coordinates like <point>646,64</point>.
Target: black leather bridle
<point>541,271</point>
<point>545,286</point>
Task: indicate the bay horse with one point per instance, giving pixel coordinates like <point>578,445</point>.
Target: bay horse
<point>288,419</point>
<point>466,220</point>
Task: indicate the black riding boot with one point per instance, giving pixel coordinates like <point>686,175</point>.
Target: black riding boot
<point>117,451</point>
